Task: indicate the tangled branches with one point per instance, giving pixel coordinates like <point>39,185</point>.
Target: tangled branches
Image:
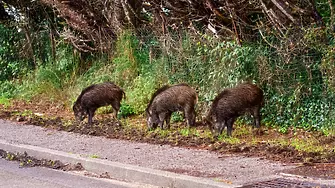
<point>92,25</point>
<point>239,18</point>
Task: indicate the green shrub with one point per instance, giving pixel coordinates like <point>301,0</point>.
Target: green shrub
<point>126,110</point>
<point>7,89</point>
<point>50,75</point>
<point>139,93</point>
<point>11,65</point>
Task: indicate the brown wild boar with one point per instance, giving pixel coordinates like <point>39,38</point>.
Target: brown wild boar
<point>96,96</point>
<point>232,103</point>
<point>168,99</point>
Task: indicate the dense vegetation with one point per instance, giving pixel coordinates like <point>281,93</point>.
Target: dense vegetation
<point>53,51</point>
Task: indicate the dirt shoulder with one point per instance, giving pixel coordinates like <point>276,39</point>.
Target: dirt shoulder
<point>246,151</point>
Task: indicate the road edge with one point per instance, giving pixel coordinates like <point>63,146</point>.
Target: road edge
<point>117,170</point>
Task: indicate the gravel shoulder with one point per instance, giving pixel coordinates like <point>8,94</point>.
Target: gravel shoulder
<point>202,163</point>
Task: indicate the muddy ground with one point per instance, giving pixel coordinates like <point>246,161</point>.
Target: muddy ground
<point>265,143</point>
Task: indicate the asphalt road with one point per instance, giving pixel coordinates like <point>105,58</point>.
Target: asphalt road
<point>234,169</point>
<point>211,167</point>
<point>12,175</point>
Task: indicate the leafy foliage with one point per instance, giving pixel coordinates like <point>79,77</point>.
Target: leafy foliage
<point>11,65</point>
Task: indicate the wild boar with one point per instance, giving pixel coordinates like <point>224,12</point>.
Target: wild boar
<point>96,96</point>
<point>169,99</point>
<point>232,103</point>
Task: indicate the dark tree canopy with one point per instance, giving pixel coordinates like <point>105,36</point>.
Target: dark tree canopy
<point>93,24</point>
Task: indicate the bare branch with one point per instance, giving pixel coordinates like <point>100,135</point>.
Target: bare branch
<point>331,14</point>
<point>282,7</point>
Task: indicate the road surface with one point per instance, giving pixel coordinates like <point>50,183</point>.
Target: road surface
<point>202,163</point>
<point>12,175</point>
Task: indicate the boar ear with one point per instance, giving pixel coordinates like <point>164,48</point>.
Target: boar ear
<point>74,106</point>
<point>147,111</point>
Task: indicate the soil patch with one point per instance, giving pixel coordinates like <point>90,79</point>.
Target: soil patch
<point>323,170</point>
<point>112,128</point>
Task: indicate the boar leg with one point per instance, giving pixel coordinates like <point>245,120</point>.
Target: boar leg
<point>257,117</point>
<point>218,127</point>
<point>190,116</point>
<point>90,115</point>
<point>230,124</point>
<point>221,126</point>
<point>161,118</point>
<point>116,107</point>
<point>167,120</point>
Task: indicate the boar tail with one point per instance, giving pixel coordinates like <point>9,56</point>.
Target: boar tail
<point>196,99</point>
<point>124,94</point>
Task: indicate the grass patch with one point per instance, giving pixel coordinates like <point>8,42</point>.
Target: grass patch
<point>301,144</point>
<point>4,101</point>
<point>94,156</point>
<point>162,132</point>
<point>185,132</point>
<point>307,145</point>
<point>25,113</point>
<point>105,110</point>
<point>190,132</point>
<point>328,131</point>
<point>229,140</point>
<point>242,131</point>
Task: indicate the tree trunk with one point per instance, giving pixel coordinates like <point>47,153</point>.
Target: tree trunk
<point>53,44</point>
<point>30,46</point>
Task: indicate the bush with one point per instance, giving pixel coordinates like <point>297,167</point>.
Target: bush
<point>139,94</point>
<point>11,63</point>
<point>7,89</point>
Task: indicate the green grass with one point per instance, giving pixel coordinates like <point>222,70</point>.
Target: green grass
<point>94,156</point>
<point>242,130</point>
<point>309,145</point>
<point>185,132</point>
<point>163,132</point>
<point>5,101</point>
<point>305,145</point>
<point>327,131</point>
<point>229,140</point>
<point>25,113</point>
